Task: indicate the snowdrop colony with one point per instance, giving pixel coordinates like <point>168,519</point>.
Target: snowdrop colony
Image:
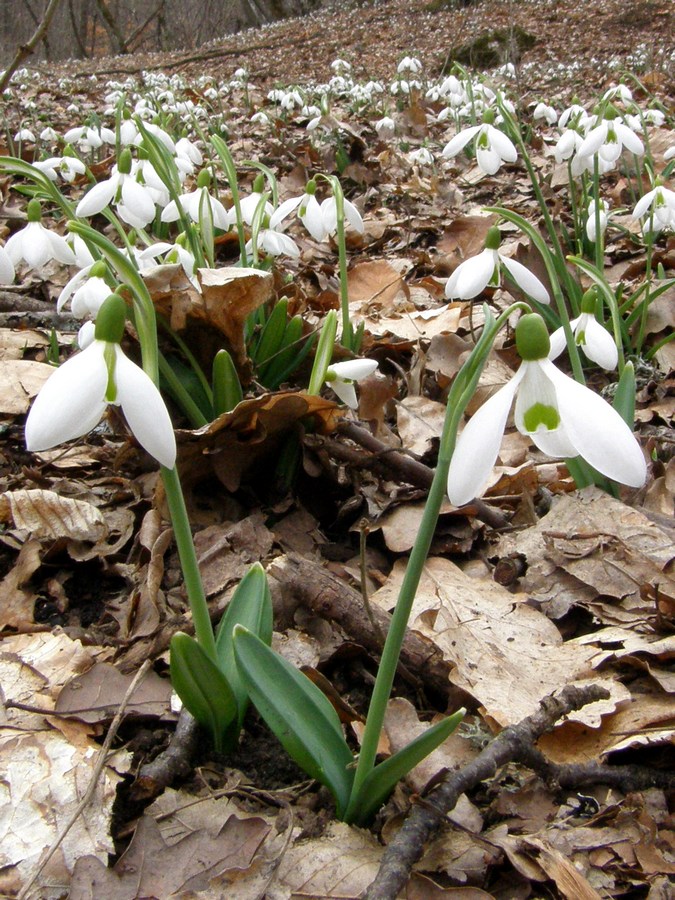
<point>174,188</point>
<point>152,181</point>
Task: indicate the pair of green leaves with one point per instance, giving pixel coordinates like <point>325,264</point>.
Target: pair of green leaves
<point>278,347</point>
<point>212,690</point>
<point>309,729</point>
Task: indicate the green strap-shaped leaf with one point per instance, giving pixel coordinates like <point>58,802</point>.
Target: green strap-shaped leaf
<point>204,690</point>
<point>384,777</point>
<point>298,713</point>
<point>250,606</point>
<point>272,335</point>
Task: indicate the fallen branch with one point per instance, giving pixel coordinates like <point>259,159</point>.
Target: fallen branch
<point>171,764</point>
<point>310,584</point>
<point>514,743</point>
<point>414,472</point>
<point>25,50</point>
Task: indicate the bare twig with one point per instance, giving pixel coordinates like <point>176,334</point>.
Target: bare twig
<point>413,471</point>
<point>93,781</point>
<point>174,762</point>
<point>26,49</point>
<point>513,743</point>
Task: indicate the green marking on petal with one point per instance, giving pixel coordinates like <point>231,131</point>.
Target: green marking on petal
<point>110,357</point>
<point>581,338</point>
<point>541,414</point>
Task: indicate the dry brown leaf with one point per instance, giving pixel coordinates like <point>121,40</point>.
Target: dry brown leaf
<point>375,281</point>
<point>253,430</point>
<point>592,550</point>
<point>16,598</point>
<point>340,863</point>
<point>15,342</point>
<point>226,552</point>
<point>45,776</point>
<point>536,859</point>
<point>419,421</point>
<point>96,695</point>
<point>44,515</point>
<point>504,652</point>
<point>402,725</point>
<point>151,867</point>
<point>21,380</point>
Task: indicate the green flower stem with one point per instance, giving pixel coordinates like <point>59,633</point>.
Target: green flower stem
<point>648,281</point>
<point>146,327</point>
<point>599,238</point>
<point>549,262</point>
<point>323,354</point>
<point>563,274</point>
<point>460,394</point>
<point>188,561</point>
<point>223,152</point>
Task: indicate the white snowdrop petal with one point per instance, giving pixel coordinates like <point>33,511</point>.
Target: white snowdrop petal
<point>478,445</point>
<point>71,402</point>
<point>558,341</point>
<point>354,369</point>
<point>600,346</point>
<point>346,392</point>
<point>488,160</point>
<point>502,144</point>
<point>526,280</point>
<point>597,431</point>
<point>97,198</point>
<point>145,410</point>
<point>137,200</point>
<point>473,275</point>
<point>7,272</point>
<point>460,140</point>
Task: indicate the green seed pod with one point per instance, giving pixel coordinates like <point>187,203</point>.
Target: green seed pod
<point>532,340</point>
<point>111,319</point>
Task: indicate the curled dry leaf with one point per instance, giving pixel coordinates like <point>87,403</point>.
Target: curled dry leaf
<point>44,515</point>
<point>253,430</point>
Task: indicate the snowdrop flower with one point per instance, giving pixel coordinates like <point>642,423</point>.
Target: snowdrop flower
<point>562,417</point>
<point>472,276</point>
<point>48,135</point>
<point>25,135</point>
<point>133,200</point>
<point>174,253</point>
<point>591,221</point>
<point>329,215</point>
<point>385,127</point>
<point>608,140</point>
<point>86,290</point>
<point>248,205</point>
<point>272,240</point>
<point>197,203</point>
<point>544,112</point>
<point>73,400</point>
<point>68,167</point>
<point>657,209</point>
<point>340,377</point>
<point>310,212</point>
<point>492,146</point>
<point>89,138</point>
<point>36,244</point>
<point>593,338</point>
<point>409,64</point>
<point>669,154</point>
<point>422,156</point>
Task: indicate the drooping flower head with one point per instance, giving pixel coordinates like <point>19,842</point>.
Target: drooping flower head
<point>472,276</point>
<point>73,400</point>
<point>593,338</point>
<point>563,419</point>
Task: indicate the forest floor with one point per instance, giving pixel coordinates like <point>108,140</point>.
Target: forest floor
<point>538,587</point>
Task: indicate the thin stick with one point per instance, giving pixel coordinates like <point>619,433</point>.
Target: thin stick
<point>95,775</point>
<point>25,50</point>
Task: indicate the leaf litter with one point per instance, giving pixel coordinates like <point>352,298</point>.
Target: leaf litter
<point>83,601</point>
